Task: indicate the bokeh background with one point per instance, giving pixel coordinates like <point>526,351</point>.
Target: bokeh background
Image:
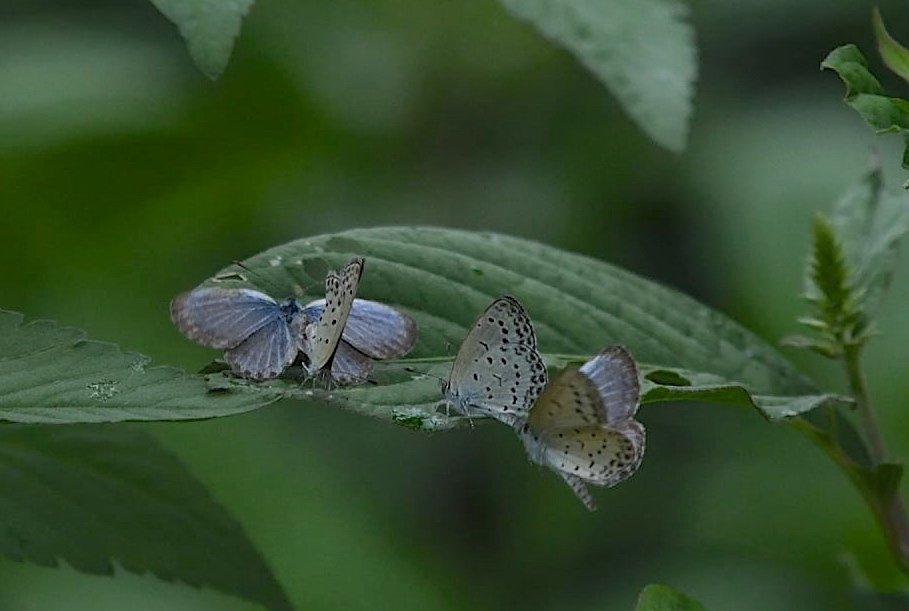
<point>126,177</point>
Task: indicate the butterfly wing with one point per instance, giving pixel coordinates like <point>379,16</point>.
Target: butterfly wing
<point>375,329</point>
<point>220,317</point>
<point>266,353</point>
<point>350,366</point>
<point>505,321</point>
<point>570,401</point>
<point>502,382</point>
<point>615,376</point>
<point>598,455</point>
<point>497,371</point>
<point>323,336</point>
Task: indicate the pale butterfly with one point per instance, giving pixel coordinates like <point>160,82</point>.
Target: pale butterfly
<point>373,331</point>
<point>497,371</point>
<point>322,336</point>
<point>260,337</point>
<point>583,426</point>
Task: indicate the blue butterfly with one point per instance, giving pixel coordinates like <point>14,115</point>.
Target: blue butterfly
<point>260,337</point>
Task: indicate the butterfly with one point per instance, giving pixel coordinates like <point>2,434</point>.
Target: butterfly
<point>583,426</point>
<point>497,371</point>
<point>373,331</point>
<point>260,337</point>
<point>322,335</point>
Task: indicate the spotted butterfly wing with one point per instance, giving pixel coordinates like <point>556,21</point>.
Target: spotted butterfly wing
<point>497,371</point>
<point>321,338</point>
<point>375,329</point>
<point>582,426</point>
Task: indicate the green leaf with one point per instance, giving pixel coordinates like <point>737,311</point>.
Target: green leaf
<point>852,263</point>
<point>52,374</point>
<point>444,278</point>
<point>209,28</point>
<point>895,55</point>
<point>828,278</point>
<point>831,291</point>
<point>871,223</point>
<point>99,495</point>
<point>865,95</point>
<point>693,386</point>
<point>644,52</point>
<point>409,394</point>
<point>664,598</point>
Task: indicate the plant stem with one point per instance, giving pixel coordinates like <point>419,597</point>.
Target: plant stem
<point>863,405</point>
<point>888,506</point>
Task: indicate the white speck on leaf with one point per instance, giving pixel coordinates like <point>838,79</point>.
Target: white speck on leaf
<point>103,390</point>
<point>140,363</point>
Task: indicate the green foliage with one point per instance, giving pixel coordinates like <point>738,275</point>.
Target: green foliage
<point>643,51</point>
<point>664,598</point>
<point>851,266</point>
<point>849,272</point>
<point>53,374</point>
<point>864,93</point>
<point>895,55</point>
<point>870,222</point>
<point>838,320</point>
<point>96,495</point>
<point>209,28</point>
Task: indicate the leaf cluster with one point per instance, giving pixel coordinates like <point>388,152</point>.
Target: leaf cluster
<point>851,266</point>
<point>864,93</point>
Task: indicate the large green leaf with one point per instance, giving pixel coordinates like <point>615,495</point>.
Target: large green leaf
<point>643,51</point>
<point>209,28</point>
<point>409,394</point>
<point>444,278</point>
<point>99,495</point>
<point>52,374</point>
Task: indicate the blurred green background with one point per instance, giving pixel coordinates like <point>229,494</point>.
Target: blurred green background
<point>127,177</point>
